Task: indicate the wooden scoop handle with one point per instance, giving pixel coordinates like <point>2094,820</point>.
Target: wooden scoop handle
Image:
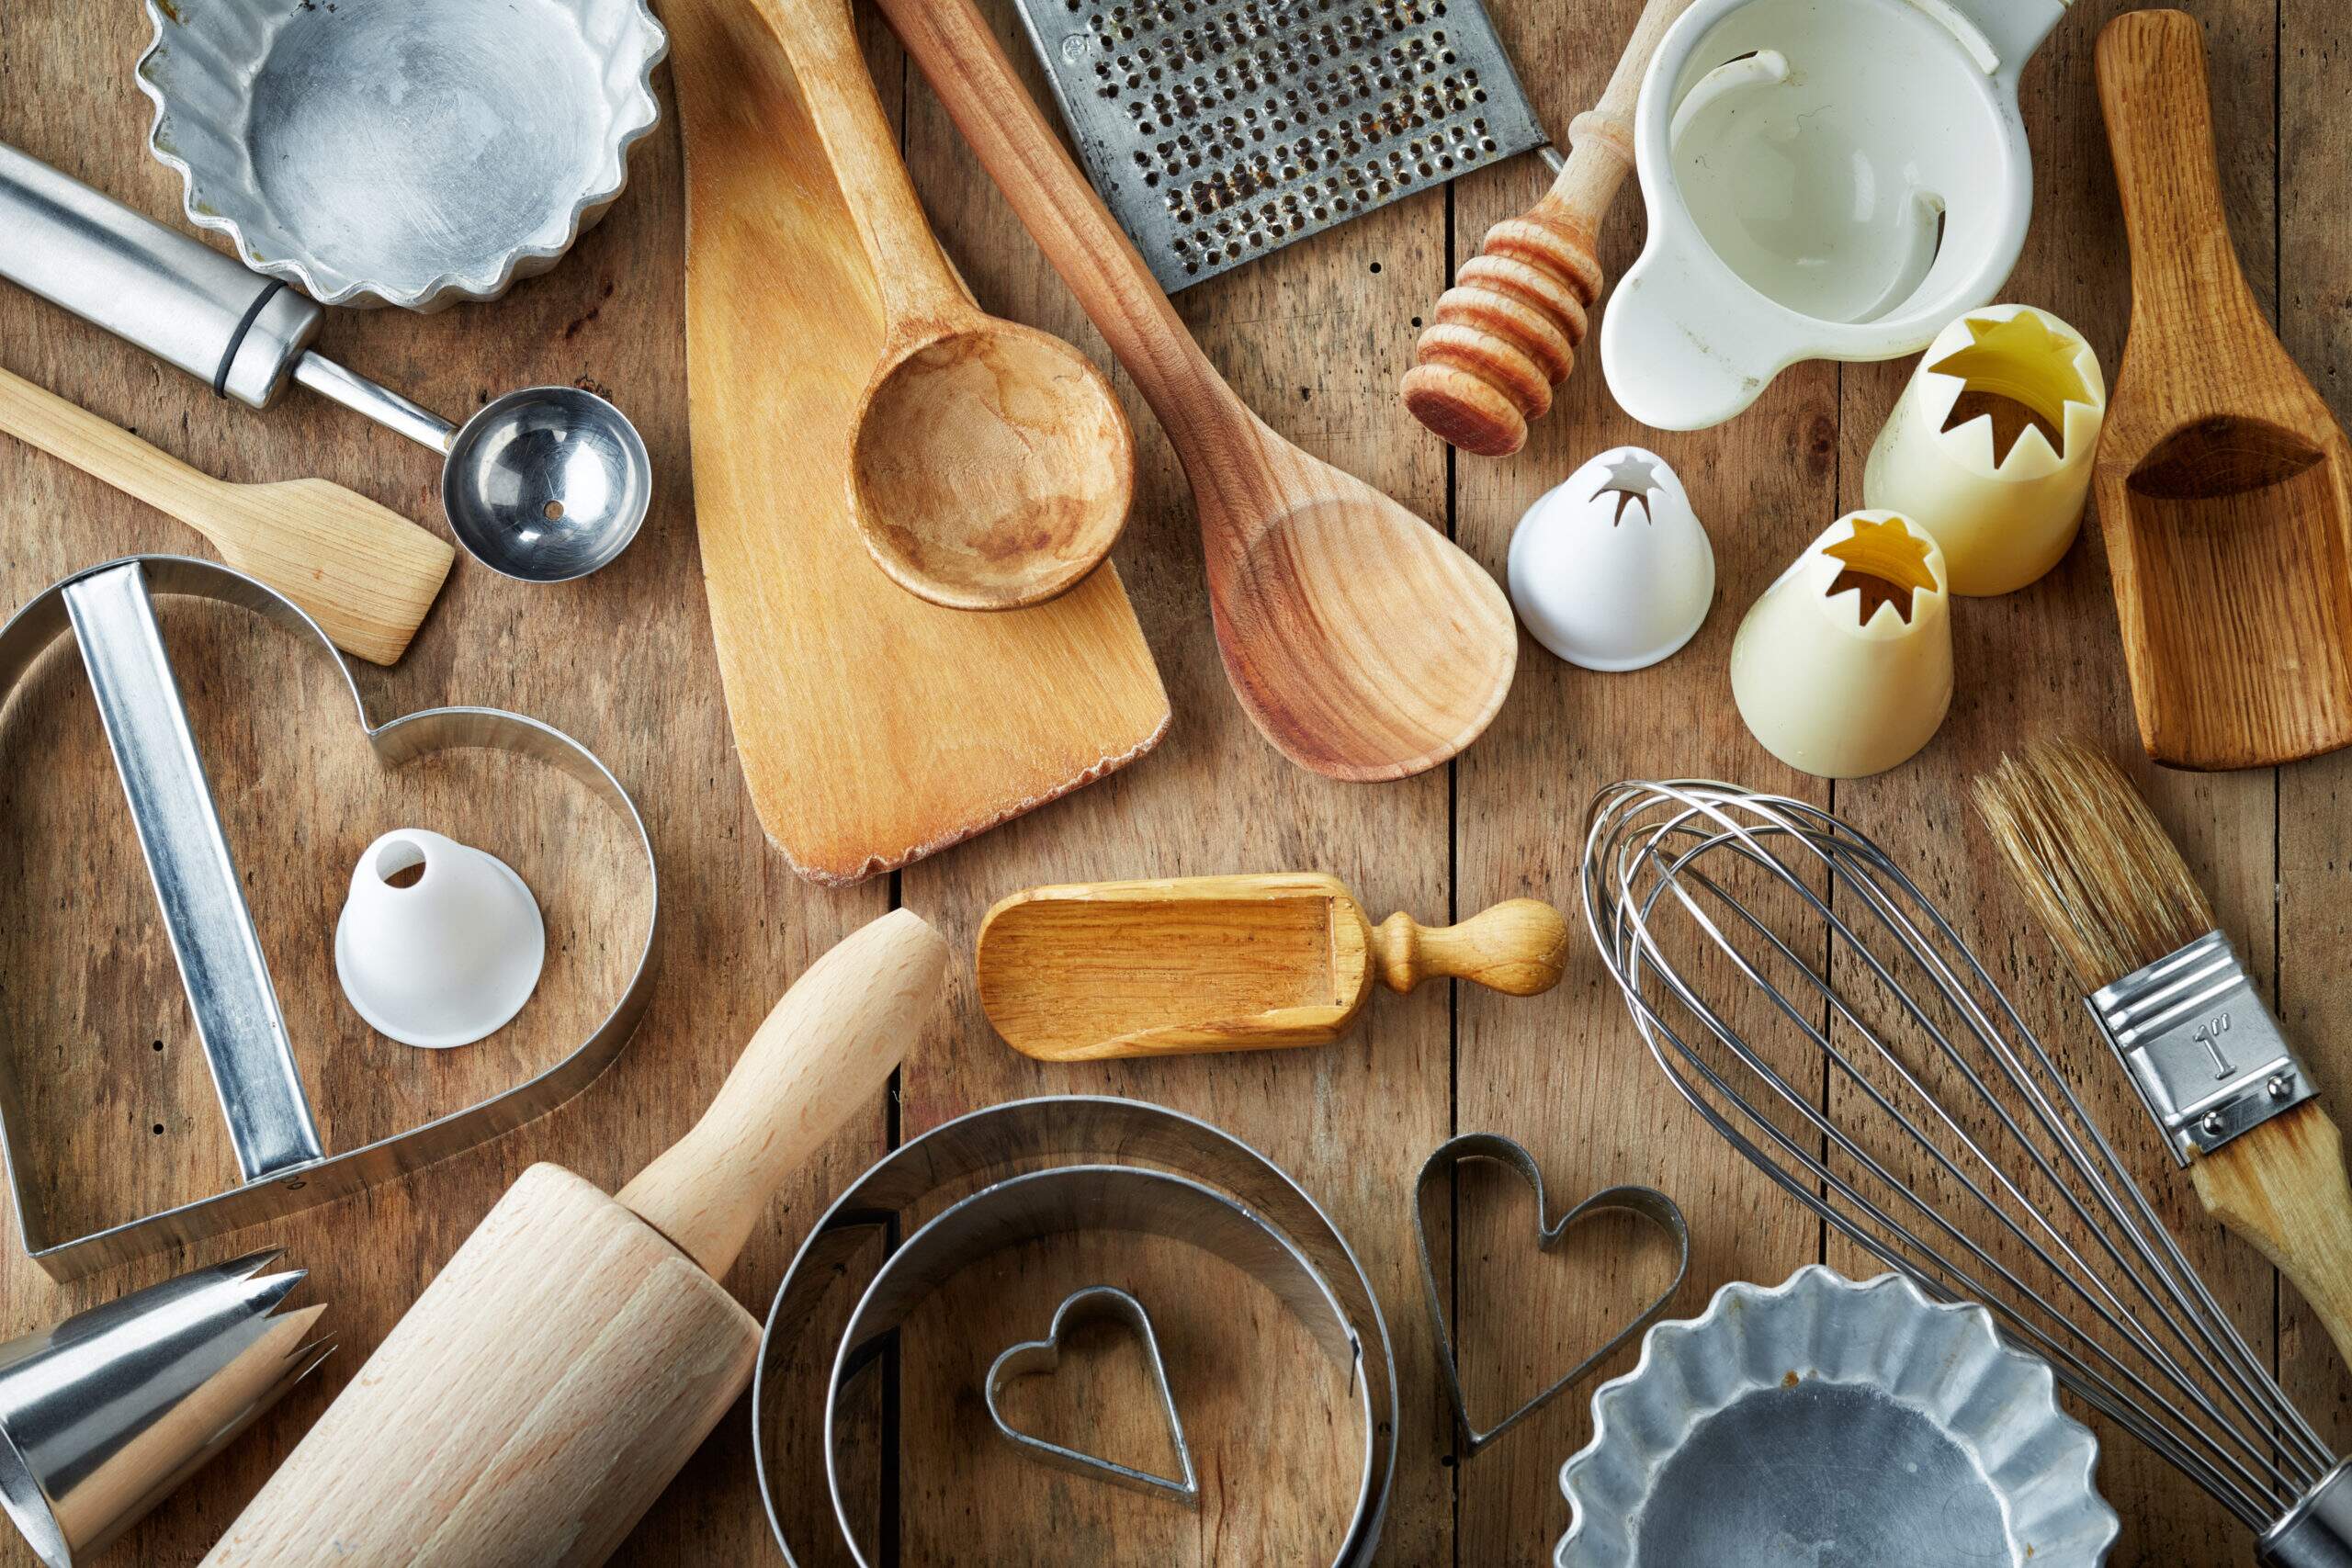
<point>824,1051</point>
<point>1519,947</point>
<point>1506,333</point>
<point>2281,1187</point>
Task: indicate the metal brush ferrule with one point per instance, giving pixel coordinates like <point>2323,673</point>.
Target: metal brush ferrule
<point>2197,1042</point>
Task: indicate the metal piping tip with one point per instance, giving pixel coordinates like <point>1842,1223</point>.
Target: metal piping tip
<point>103,1414</point>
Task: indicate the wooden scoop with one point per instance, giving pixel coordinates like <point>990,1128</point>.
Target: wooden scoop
<point>1091,970</point>
<point>2221,475</point>
<point>1358,639</point>
<point>364,572</point>
<point>990,465</point>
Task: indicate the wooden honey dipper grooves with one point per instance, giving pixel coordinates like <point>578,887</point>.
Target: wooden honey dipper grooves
<point>1507,333</point>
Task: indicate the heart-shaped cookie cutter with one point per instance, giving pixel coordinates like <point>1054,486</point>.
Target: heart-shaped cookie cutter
<point>1228,1198</point>
<point>1092,1303</point>
<point>283,1165</point>
<point>1647,1201</point>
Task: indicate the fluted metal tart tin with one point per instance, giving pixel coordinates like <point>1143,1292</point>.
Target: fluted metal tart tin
<point>407,152</point>
<point>1828,1424</point>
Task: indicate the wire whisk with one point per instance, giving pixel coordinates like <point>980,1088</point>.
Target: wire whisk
<point>1819,1011</point>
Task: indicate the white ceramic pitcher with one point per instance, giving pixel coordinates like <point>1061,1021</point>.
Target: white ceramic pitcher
<point>1824,180</point>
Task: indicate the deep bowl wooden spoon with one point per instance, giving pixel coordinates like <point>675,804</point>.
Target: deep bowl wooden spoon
<point>1360,640</point>
<point>990,468</point>
<point>2224,484</point>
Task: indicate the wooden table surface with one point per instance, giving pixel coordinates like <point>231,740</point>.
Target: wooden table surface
<point>119,1117</point>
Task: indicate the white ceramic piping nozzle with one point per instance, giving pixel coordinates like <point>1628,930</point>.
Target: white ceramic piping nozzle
<point>1843,667</point>
<point>446,958</point>
<point>2002,518</point>
<point>1611,569</point>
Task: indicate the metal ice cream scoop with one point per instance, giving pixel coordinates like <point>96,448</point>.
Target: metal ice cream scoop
<point>544,485</point>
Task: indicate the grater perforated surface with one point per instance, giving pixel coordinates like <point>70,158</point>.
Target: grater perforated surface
<point>1218,130</point>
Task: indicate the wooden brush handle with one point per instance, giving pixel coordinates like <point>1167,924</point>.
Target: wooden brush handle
<point>2281,1187</point>
<point>967,68</point>
<point>824,1051</point>
<point>1507,333</point>
<point>1519,947</point>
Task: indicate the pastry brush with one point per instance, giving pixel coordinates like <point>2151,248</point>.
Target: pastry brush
<point>2174,998</point>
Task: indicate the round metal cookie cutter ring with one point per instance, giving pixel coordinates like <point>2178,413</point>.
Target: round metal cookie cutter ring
<point>1083,1132</point>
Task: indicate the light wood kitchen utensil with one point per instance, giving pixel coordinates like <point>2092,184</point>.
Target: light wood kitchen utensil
<point>1091,970</point>
<point>2224,484</point>
<point>547,1386</point>
<point>2110,888</point>
<point>364,572</point>
<point>873,729</point>
<point>1357,639</point>
<point>1507,333</point>
<point>991,466</point>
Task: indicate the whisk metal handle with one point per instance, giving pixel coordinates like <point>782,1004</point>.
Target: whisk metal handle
<point>2317,1532</point>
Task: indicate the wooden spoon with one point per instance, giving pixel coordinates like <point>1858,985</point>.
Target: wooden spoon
<point>1358,639</point>
<point>364,572</point>
<point>2221,475</point>
<point>990,465</point>
<point>1088,971</point>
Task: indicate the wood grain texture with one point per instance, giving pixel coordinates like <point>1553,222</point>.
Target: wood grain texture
<point>363,572</point>
<point>1087,972</point>
<point>873,729</point>
<point>2282,1188</point>
<point>1507,333</point>
<point>1315,338</point>
<point>2224,481</point>
<point>1363,644</point>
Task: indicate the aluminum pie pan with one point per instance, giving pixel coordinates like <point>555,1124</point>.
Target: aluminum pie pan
<point>410,153</point>
<point>1827,1424</point>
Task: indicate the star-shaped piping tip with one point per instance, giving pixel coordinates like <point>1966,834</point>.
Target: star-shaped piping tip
<point>1630,478</point>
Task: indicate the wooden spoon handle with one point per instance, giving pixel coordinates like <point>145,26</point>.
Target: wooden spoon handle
<point>2152,86</point>
<point>824,1052</point>
<point>105,450</point>
<point>1506,333</point>
<point>967,68</point>
<point>1519,947</point>
<point>2281,1187</point>
<point>910,268</point>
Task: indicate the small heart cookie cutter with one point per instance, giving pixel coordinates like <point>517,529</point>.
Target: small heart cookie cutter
<point>282,1163</point>
<point>1647,1201</point>
<point>1092,1303</point>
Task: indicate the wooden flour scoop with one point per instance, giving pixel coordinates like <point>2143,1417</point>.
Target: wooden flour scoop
<point>545,1389</point>
<point>1092,970</point>
<point>2221,477</point>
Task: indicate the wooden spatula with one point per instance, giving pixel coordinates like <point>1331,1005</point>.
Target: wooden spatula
<point>364,572</point>
<point>543,1391</point>
<point>1357,639</point>
<point>2221,475</point>
<point>1090,970</point>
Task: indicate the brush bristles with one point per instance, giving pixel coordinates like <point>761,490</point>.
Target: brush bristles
<point>2095,865</point>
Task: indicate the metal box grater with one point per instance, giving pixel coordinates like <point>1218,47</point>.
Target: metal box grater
<point>1218,130</point>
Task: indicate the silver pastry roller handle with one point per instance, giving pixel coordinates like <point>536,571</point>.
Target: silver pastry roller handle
<point>183,302</point>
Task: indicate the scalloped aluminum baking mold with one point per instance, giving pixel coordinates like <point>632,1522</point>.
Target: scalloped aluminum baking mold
<point>406,152</point>
<point>1826,1423</point>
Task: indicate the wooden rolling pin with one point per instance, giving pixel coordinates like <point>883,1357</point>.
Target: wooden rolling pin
<point>1090,970</point>
<point>544,1390</point>
<point>1506,333</point>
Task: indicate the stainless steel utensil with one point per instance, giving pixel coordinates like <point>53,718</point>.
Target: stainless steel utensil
<point>103,1414</point>
<point>1218,130</point>
<point>1900,1430</point>
<point>1816,1008</point>
<point>543,485</point>
<point>410,154</point>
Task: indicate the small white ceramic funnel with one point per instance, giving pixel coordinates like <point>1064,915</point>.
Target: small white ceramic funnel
<point>1844,666</point>
<point>2001,523</point>
<point>1611,571</point>
<point>439,944</point>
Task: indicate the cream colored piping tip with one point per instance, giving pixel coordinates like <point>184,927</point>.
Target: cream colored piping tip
<point>2002,521</point>
<point>1843,667</point>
